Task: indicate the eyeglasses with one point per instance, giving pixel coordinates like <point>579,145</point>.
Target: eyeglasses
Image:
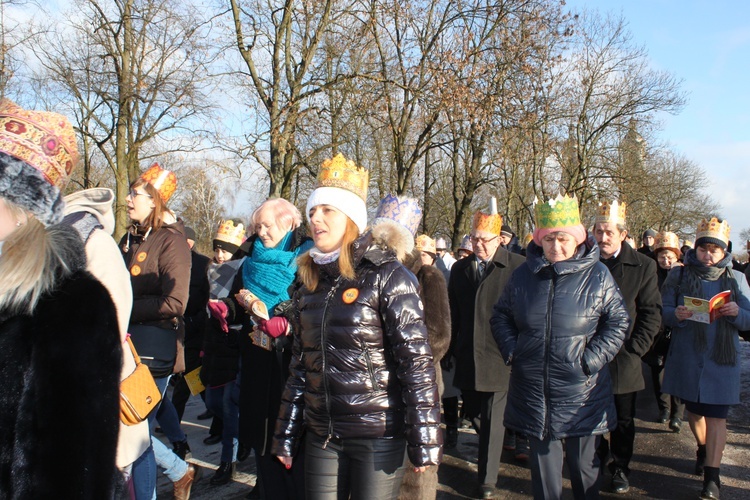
<point>134,194</point>
<point>483,241</point>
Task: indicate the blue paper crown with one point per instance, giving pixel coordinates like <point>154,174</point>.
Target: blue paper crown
<point>405,211</point>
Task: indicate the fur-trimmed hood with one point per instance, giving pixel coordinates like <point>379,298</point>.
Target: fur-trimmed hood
<point>390,235</point>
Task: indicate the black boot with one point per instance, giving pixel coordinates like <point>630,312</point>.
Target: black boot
<point>223,474</point>
<point>182,449</point>
<point>700,460</point>
<point>711,483</point>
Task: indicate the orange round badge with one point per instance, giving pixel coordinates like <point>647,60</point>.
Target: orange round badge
<point>350,295</point>
<point>135,270</point>
<point>141,256</point>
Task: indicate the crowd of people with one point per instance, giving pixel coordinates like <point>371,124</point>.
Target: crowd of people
<point>344,353</point>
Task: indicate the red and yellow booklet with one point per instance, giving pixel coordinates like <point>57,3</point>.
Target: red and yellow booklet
<point>706,311</point>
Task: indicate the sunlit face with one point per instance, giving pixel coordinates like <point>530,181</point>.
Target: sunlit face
<point>709,254</point>
<point>609,237</point>
<point>267,229</point>
<point>8,221</point>
<point>559,246</point>
<point>140,204</point>
<point>328,227</point>
<point>426,258</point>
<point>221,256</point>
<point>666,258</point>
<point>504,239</point>
<point>485,244</point>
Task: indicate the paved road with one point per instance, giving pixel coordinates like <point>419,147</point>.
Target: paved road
<point>662,464</point>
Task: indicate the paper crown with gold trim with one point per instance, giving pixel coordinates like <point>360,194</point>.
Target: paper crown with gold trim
<point>559,212</point>
<point>425,244</point>
<point>45,142</point>
<point>342,173</point>
<point>488,223</point>
<point>405,211</point>
<point>231,232</point>
<point>611,212</point>
<point>714,231</point>
<point>667,240</point>
<point>162,180</point>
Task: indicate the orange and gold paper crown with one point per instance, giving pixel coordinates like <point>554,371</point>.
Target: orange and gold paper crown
<point>611,212</point>
<point>713,229</point>
<point>46,141</point>
<point>342,173</point>
<point>231,233</point>
<point>668,240</point>
<point>163,180</point>
<point>560,212</point>
<point>425,244</point>
<point>489,223</point>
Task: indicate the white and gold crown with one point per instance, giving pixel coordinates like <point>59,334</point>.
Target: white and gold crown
<point>611,212</point>
<point>231,233</point>
<point>559,212</point>
<point>713,228</point>
<point>425,244</point>
<point>668,240</point>
<point>342,173</point>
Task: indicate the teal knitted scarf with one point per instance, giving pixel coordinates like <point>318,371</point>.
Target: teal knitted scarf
<point>268,272</point>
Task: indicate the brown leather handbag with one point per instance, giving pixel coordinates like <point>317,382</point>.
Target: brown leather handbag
<point>139,394</point>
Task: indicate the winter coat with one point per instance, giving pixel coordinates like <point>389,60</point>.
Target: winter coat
<point>59,390</point>
<point>195,309</point>
<point>90,212</point>
<point>479,365</point>
<point>635,274</point>
<point>263,373</point>
<point>558,325</point>
<point>362,366</point>
<point>692,375</point>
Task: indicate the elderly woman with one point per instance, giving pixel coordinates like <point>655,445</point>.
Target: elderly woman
<point>703,364</point>
<point>362,380</point>
<point>560,320</point>
<point>265,347</point>
<point>60,351</point>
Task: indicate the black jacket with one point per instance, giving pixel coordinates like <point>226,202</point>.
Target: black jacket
<point>362,366</point>
<point>635,274</point>
<point>558,325</point>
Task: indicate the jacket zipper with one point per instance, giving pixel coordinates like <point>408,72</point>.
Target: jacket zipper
<point>323,355</point>
<point>370,367</point>
<point>547,341</point>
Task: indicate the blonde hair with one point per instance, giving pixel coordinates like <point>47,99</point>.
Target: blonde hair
<point>309,272</point>
<point>34,259</point>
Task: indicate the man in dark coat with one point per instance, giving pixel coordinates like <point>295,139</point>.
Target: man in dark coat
<point>635,274</point>
<point>476,284</point>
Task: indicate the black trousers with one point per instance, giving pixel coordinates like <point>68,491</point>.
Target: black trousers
<point>279,483</point>
<point>622,438</point>
<point>546,462</point>
<point>354,468</point>
<point>491,436</point>
<point>673,404</point>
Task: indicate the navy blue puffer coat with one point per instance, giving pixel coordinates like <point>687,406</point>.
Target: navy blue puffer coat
<point>558,326</point>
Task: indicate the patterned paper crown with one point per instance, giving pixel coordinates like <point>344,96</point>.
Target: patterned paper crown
<point>560,212</point>
<point>668,240</point>
<point>405,211</point>
<point>342,173</point>
<point>163,181</point>
<point>45,141</point>
<point>611,212</point>
<point>425,244</point>
<point>713,229</point>
<point>230,233</point>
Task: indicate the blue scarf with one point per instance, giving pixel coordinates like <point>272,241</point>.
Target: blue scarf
<point>269,272</point>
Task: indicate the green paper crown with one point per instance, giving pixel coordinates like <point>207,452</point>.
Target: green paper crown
<point>560,212</point>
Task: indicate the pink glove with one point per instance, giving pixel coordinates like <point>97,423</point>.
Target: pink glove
<point>219,311</point>
<point>275,327</point>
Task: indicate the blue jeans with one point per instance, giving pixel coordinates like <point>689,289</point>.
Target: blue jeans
<point>223,400</point>
<point>144,468</point>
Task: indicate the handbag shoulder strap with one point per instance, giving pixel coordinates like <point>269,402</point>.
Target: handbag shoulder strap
<point>135,354</point>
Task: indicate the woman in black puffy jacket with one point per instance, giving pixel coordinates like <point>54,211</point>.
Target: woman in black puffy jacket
<point>560,321</point>
<point>362,380</point>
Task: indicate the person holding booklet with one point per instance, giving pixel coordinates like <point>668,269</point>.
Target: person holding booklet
<point>703,365</point>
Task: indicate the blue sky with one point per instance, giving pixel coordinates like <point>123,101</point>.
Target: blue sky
<point>707,45</point>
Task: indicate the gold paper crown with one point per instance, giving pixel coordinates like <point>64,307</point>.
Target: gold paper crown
<point>163,181</point>
<point>560,212</point>
<point>230,233</point>
<point>342,173</point>
<point>668,240</point>
<point>425,244</point>
<point>489,223</point>
<point>713,229</point>
<point>45,141</point>
<point>611,212</point>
